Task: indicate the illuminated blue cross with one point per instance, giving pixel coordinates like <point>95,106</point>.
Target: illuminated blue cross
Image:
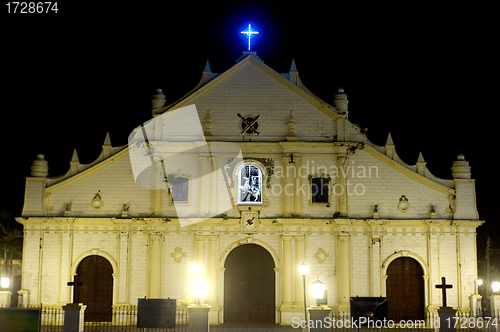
<point>250,33</point>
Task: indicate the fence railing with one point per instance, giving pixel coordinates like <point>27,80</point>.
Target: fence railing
<point>122,318</point>
<point>463,321</point>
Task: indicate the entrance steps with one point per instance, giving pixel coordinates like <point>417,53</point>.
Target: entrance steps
<point>252,327</point>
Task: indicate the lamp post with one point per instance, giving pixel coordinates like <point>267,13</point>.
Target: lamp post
<point>303,272</point>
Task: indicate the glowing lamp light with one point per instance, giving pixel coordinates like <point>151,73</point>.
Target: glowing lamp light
<point>199,288</point>
<point>5,282</point>
<point>479,282</point>
<point>196,268</point>
<point>318,290</point>
<point>495,286</point>
<point>303,269</point>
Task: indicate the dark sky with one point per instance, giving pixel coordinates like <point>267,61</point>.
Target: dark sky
<point>426,74</point>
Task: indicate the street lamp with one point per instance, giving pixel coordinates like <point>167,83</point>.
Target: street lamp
<point>495,286</point>
<point>479,282</point>
<point>318,290</point>
<point>303,272</point>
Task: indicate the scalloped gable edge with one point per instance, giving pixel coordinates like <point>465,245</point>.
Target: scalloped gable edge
<point>408,172</point>
<point>88,171</point>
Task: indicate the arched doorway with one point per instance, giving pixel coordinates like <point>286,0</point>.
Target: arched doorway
<point>96,290</point>
<point>249,285</point>
<point>405,289</point>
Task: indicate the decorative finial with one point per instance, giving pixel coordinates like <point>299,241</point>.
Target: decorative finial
<point>159,100</point>
<point>461,168</point>
<point>250,33</point>
<point>341,101</point>
<point>40,167</point>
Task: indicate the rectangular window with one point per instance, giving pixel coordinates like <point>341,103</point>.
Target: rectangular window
<point>319,190</point>
<point>180,189</point>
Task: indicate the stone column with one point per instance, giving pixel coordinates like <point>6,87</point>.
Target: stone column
<point>213,179</point>
<point>157,187</point>
<point>298,194</point>
<point>286,200</point>
<point>23,298</point>
<point>475,305</point>
<point>73,317</point>
<point>344,273</point>
<point>202,186</point>
<point>155,266</point>
<point>494,305</point>
<point>123,239</point>
<point>319,314</point>
<point>213,265</point>
<point>287,271</point>
<point>198,318</point>
<point>340,189</point>
<point>299,259</point>
<point>5,297</point>
<point>200,253</point>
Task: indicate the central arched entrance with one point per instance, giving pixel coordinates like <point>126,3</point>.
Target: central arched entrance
<point>96,290</point>
<point>249,285</point>
<point>405,289</point>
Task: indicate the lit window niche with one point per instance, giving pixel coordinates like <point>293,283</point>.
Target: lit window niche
<point>320,190</point>
<point>249,185</point>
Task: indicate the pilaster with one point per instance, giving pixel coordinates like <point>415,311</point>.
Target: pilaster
<point>342,183</point>
<point>299,259</point>
<point>213,268</point>
<point>155,265</point>
<point>287,271</point>
<point>297,198</point>
<point>286,199</point>
<point>344,271</point>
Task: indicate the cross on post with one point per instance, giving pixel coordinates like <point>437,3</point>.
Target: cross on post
<point>443,287</point>
<point>250,33</point>
<point>75,284</point>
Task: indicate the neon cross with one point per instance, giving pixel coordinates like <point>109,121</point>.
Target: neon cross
<point>250,33</point>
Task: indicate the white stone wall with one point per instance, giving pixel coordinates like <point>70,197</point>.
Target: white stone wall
<point>116,186</point>
<point>373,182</point>
<point>265,96</point>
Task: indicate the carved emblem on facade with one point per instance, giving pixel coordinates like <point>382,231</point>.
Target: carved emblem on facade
<point>177,255</point>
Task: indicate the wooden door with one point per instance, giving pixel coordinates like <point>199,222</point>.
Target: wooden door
<point>405,289</point>
<point>249,285</point>
<point>96,291</point>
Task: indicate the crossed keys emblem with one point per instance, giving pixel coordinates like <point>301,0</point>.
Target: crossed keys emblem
<point>249,125</point>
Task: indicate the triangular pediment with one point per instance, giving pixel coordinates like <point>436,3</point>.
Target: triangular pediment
<point>252,88</point>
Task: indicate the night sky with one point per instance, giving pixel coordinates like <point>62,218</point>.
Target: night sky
<point>426,74</point>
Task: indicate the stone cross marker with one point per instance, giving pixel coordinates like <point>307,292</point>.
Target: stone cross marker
<point>443,287</point>
<point>75,284</point>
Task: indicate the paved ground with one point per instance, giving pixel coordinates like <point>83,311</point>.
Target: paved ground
<point>249,327</point>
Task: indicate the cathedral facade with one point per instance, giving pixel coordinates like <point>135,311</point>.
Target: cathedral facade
<point>250,175</point>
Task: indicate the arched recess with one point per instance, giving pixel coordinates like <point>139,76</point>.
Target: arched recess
<point>405,279</point>
<point>95,268</point>
<point>271,269</point>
